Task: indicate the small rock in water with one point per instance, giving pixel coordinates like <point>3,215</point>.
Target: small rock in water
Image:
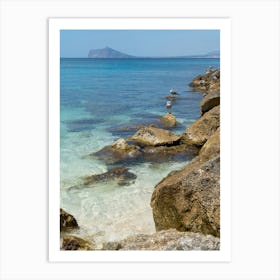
<point>151,136</point>
<point>119,174</point>
<point>169,120</point>
<point>120,152</point>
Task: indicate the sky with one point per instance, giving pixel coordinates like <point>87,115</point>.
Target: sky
<point>77,43</point>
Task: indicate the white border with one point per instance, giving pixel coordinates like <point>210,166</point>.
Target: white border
<point>55,25</point>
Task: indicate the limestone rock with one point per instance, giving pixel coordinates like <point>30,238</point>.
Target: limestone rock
<point>210,81</point>
<point>199,131</point>
<point>120,152</point>
<point>211,148</point>
<point>121,175</point>
<point>67,221</point>
<point>166,240</point>
<point>169,153</point>
<point>151,136</point>
<point>71,243</point>
<point>211,100</point>
<point>169,120</point>
<point>189,200</point>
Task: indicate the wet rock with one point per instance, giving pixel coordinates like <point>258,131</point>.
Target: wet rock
<point>121,145</point>
<point>166,240</point>
<point>67,221</point>
<point>199,131</point>
<point>71,243</point>
<point>147,154</point>
<point>151,136</point>
<point>120,152</point>
<point>189,200</point>
<point>120,175</point>
<point>169,120</point>
<point>211,100</point>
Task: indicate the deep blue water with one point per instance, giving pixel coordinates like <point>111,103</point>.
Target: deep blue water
<point>97,97</point>
<point>128,90</point>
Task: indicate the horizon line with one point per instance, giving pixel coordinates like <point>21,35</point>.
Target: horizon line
<point>146,57</point>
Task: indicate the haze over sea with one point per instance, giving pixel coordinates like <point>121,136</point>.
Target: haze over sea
<point>98,96</point>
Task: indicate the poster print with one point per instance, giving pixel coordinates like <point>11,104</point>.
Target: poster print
<point>135,139</point>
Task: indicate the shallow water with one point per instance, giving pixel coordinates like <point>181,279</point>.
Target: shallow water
<point>98,98</point>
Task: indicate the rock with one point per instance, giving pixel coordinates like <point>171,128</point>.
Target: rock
<point>151,136</point>
<point>111,246</point>
<point>169,153</point>
<point>67,221</point>
<point>211,148</point>
<point>166,240</point>
<point>70,242</point>
<point>121,145</point>
<point>120,152</point>
<point>169,120</point>
<point>189,200</point>
<point>211,100</point>
<point>147,153</point>
<point>199,131</point>
<point>120,175</point>
<point>210,81</point>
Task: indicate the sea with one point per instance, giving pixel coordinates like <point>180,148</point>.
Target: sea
<point>98,99</point>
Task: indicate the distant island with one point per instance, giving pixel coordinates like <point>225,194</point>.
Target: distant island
<point>108,52</point>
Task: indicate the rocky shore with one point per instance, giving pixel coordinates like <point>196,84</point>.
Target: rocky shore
<point>189,199</point>
<point>186,203</point>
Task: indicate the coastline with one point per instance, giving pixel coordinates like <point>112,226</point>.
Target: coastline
<point>199,144</point>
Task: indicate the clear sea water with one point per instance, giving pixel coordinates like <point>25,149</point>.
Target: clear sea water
<point>99,96</point>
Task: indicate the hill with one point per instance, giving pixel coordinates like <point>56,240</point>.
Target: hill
<point>107,53</point>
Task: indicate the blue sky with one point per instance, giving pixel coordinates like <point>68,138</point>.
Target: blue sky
<point>77,43</point>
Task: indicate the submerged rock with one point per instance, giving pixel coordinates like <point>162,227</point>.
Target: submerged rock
<point>67,221</point>
<point>70,242</point>
<point>120,175</point>
<point>199,131</point>
<point>166,240</point>
<point>151,136</point>
<point>189,199</point>
<point>169,120</point>
<point>211,100</point>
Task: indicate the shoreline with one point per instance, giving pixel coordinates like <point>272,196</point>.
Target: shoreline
<point>168,145</point>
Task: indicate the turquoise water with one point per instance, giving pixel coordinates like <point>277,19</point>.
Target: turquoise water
<point>99,96</point>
